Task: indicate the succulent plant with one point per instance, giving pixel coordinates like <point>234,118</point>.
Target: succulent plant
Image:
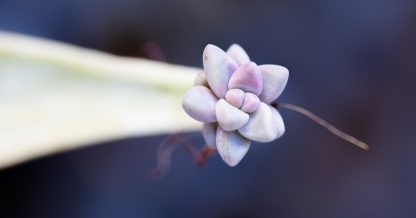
<point>232,98</point>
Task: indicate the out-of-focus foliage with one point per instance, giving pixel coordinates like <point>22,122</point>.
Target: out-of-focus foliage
<point>51,101</point>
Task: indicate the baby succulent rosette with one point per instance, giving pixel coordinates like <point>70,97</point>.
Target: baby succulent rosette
<point>232,98</point>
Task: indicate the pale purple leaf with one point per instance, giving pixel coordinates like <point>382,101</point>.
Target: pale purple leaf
<point>238,54</point>
<point>251,102</point>
<point>218,67</point>
<point>264,125</point>
<point>274,81</point>
<point>231,146</point>
<point>199,103</point>
<point>247,78</point>
<point>209,131</point>
<point>229,117</point>
<point>235,97</point>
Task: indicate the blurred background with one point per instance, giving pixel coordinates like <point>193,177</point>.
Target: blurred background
<point>352,62</point>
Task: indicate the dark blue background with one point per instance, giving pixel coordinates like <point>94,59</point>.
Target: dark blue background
<point>352,62</point>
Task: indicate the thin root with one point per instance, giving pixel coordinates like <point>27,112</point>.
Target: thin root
<point>325,124</point>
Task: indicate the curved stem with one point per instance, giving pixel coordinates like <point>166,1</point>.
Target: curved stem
<point>325,124</point>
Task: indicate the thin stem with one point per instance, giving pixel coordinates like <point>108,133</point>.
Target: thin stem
<point>325,124</point>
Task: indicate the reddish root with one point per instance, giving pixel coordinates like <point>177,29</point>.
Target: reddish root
<point>170,144</point>
<point>203,154</point>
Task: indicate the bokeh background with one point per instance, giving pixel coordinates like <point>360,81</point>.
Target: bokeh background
<point>352,62</point>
